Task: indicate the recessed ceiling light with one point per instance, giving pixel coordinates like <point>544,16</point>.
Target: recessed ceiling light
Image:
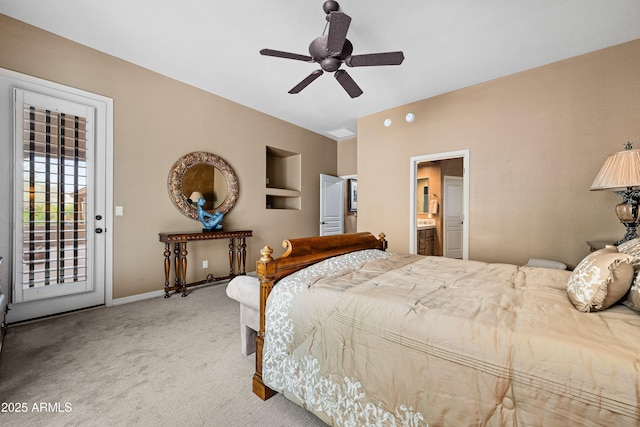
<point>387,122</point>
<point>410,117</point>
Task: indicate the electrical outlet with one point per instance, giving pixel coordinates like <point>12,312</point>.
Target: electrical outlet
<point>205,263</point>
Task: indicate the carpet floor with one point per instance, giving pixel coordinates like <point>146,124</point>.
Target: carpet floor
<point>169,362</point>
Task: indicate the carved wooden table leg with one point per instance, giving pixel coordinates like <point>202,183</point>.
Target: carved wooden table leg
<point>231,245</point>
<point>176,252</point>
<point>167,268</point>
<point>183,273</point>
<point>242,256</point>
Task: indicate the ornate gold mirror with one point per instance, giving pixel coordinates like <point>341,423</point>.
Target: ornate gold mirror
<point>208,174</point>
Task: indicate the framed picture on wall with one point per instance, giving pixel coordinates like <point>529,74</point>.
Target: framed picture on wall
<point>353,195</point>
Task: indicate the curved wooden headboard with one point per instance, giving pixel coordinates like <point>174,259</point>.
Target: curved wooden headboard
<point>299,254</point>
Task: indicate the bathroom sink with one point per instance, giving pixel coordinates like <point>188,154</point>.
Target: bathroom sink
<point>425,223</point>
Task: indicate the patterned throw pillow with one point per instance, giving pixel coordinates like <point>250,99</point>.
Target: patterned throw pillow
<point>632,247</point>
<point>633,298</point>
<point>600,280</point>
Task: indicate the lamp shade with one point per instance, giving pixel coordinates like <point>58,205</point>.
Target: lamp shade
<point>620,171</point>
<point>195,196</point>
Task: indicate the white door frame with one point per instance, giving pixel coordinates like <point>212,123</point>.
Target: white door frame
<point>413,167</point>
<point>10,79</point>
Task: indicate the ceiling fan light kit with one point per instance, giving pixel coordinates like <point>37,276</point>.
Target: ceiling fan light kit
<point>334,49</point>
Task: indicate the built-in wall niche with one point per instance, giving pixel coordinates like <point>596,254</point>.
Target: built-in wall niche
<point>284,179</point>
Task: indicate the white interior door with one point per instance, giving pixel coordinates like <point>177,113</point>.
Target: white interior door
<point>453,212</point>
<point>331,205</point>
<point>60,204</point>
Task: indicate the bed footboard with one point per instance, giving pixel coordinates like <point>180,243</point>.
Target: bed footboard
<point>299,254</point>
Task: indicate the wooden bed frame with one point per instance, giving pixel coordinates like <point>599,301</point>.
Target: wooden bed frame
<point>300,253</point>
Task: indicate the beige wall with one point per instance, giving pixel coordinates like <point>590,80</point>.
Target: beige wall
<point>348,165</point>
<point>156,121</point>
<point>348,157</point>
<point>536,139</point>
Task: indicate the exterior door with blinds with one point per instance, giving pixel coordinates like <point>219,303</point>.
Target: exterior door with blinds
<point>59,249</point>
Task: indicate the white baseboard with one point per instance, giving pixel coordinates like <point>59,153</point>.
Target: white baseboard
<point>160,293</point>
<point>138,297</point>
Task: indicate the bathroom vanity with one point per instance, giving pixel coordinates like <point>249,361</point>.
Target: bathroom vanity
<point>425,239</point>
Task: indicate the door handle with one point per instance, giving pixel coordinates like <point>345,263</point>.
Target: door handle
<point>98,230</point>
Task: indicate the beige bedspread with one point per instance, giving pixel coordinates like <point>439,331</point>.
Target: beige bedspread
<point>371,338</point>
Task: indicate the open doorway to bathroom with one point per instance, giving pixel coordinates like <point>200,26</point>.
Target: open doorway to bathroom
<point>444,221</point>
<point>350,203</point>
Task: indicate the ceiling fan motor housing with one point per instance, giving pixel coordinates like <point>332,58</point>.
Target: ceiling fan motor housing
<point>319,52</point>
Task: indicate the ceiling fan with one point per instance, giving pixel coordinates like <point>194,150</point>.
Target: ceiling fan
<point>333,49</point>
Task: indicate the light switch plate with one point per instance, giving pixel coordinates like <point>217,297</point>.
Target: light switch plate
<point>119,210</point>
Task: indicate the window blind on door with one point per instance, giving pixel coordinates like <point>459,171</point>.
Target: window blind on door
<point>54,198</point>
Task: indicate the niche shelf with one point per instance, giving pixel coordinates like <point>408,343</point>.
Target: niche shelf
<point>284,179</point>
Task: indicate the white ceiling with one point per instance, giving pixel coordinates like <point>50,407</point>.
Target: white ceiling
<point>448,44</point>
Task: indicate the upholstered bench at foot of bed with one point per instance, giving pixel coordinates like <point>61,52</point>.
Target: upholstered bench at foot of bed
<point>246,290</point>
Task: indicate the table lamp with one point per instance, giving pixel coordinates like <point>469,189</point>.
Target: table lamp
<point>194,197</point>
<point>621,173</point>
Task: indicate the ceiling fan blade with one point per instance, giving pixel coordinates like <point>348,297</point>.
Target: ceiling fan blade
<point>286,55</point>
<point>348,83</point>
<point>306,82</point>
<point>385,58</point>
<point>338,27</point>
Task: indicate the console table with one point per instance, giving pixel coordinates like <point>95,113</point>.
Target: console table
<point>180,240</point>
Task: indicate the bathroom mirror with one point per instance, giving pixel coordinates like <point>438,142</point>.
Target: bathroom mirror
<point>210,175</point>
<point>422,192</point>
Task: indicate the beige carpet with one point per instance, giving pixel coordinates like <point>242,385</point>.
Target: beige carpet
<point>170,362</point>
